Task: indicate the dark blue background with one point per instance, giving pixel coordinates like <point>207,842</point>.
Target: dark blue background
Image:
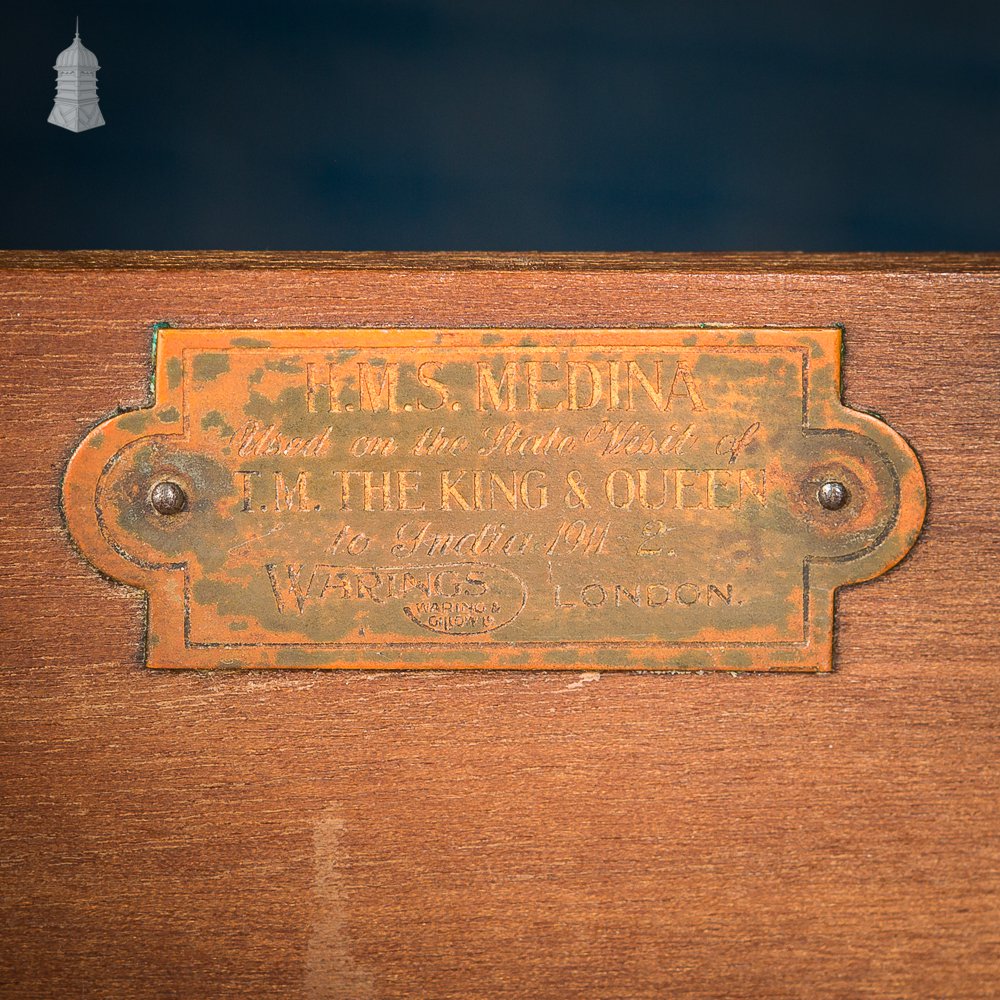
<point>440,124</point>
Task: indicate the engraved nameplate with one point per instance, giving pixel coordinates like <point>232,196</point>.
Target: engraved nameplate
<point>668,499</point>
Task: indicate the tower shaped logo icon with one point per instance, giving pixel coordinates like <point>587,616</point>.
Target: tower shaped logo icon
<point>76,105</point>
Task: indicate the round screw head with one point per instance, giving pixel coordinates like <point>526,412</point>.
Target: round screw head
<point>168,498</point>
<point>833,495</point>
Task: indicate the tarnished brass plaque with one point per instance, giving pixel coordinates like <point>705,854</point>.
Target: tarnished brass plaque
<point>669,499</point>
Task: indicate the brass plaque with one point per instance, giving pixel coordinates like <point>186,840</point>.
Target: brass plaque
<point>668,499</point>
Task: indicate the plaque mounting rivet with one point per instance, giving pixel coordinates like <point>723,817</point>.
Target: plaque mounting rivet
<point>168,498</point>
<point>833,495</point>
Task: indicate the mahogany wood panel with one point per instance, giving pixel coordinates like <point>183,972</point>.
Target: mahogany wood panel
<point>364,834</point>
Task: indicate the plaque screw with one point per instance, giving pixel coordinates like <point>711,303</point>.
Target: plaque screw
<point>168,498</point>
<point>833,495</point>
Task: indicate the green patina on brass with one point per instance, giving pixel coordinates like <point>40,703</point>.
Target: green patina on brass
<point>605,500</point>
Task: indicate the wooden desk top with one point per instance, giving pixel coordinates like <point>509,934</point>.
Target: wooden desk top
<point>367,834</point>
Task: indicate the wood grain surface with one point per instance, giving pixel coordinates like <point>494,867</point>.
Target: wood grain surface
<point>369,835</point>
